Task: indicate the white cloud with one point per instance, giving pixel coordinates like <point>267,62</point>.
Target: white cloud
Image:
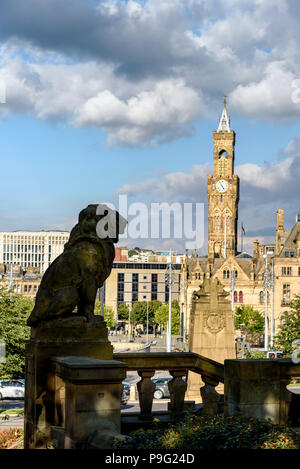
<point>145,71</point>
<point>142,117</point>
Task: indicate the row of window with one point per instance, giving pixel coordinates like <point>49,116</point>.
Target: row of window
<point>139,266</point>
<point>218,223</point>
<point>24,257</point>
<point>291,253</point>
<point>30,288</point>
<point>238,296</point>
<point>288,270</point>
<point>227,274</point>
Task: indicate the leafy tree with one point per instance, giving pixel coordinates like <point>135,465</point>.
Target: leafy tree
<point>14,311</point>
<point>132,252</point>
<point>139,311</point>
<point>162,316</point>
<point>108,314</point>
<point>250,321</point>
<point>289,330</point>
<point>123,311</point>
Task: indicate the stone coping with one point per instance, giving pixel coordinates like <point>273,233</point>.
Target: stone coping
<point>82,369</point>
<point>186,361</point>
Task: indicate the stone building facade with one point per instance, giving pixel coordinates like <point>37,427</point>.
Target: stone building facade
<point>245,277</point>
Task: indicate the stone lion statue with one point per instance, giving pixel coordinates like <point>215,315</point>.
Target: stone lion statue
<point>74,277</point>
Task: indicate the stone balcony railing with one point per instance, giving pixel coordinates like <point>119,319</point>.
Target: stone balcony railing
<point>83,394</point>
<point>177,364</point>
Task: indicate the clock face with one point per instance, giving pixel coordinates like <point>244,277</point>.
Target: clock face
<point>222,185</point>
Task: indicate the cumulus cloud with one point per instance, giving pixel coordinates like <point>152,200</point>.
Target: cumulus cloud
<point>146,71</point>
<point>158,113</point>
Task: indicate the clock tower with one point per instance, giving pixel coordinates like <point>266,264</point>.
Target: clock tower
<point>223,193</point>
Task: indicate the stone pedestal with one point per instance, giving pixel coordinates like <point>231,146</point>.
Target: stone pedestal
<point>72,336</point>
<point>92,400</point>
<point>258,389</point>
<point>211,331</point>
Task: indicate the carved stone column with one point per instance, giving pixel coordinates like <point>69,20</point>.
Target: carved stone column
<point>177,388</point>
<point>146,389</point>
<point>209,395</point>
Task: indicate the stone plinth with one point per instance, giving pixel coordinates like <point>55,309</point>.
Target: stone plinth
<point>92,400</point>
<point>258,388</point>
<point>72,336</point>
<point>211,331</point>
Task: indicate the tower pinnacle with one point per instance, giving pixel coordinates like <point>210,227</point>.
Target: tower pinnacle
<point>224,122</point>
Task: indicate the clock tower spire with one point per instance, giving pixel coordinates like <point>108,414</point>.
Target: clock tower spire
<point>223,193</point>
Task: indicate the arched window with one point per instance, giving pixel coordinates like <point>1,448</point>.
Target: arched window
<point>236,273</point>
<point>261,297</point>
<point>224,273</point>
<point>228,274</point>
<point>241,298</point>
<point>235,297</point>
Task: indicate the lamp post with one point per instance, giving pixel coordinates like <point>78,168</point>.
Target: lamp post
<point>129,325</point>
<point>272,277</point>
<point>169,281</point>
<point>182,308</point>
<point>232,281</point>
<point>147,322</point>
<point>232,288</point>
<point>268,283</point>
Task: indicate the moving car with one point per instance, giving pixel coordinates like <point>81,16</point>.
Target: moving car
<point>11,389</point>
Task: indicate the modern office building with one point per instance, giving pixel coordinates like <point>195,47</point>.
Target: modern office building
<point>32,248</point>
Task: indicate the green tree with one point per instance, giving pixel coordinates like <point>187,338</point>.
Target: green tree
<point>289,330</point>
<point>250,321</point>
<point>162,316</point>
<point>139,311</point>
<point>123,311</point>
<point>132,252</point>
<point>14,311</point>
<point>108,314</point>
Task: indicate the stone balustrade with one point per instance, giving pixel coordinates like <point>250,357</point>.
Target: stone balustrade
<point>178,364</point>
<point>87,412</point>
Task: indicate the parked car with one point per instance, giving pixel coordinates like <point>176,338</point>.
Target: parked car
<point>11,389</point>
<point>162,389</point>
<point>125,393</point>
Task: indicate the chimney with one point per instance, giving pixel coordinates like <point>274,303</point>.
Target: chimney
<point>279,230</point>
<point>280,216</point>
<point>256,249</point>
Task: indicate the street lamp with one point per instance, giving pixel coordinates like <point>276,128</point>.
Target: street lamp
<point>272,277</point>
<point>268,283</point>
<point>170,282</point>
<point>147,322</point>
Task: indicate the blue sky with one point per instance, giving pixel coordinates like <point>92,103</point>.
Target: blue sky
<point>109,95</point>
